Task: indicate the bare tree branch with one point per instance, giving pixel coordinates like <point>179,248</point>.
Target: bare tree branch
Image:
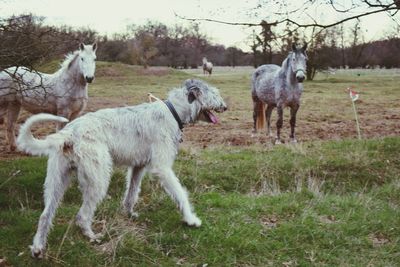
<point>382,8</point>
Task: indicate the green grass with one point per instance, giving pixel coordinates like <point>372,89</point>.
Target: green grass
<point>316,203</point>
<point>323,204</point>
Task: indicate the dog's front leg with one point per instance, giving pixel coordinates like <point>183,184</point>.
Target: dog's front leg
<point>133,181</point>
<point>94,177</point>
<point>172,186</point>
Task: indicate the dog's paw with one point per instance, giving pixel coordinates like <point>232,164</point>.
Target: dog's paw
<point>133,215</point>
<point>37,252</point>
<point>130,213</point>
<point>96,238</point>
<point>193,221</point>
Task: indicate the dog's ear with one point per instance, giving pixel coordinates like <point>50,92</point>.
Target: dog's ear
<point>193,93</point>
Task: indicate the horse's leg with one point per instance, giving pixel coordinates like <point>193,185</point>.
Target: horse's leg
<point>268,113</point>
<point>12,116</point>
<point>279,124</point>
<point>3,112</point>
<point>255,107</point>
<point>62,113</point>
<point>74,115</point>
<point>293,111</point>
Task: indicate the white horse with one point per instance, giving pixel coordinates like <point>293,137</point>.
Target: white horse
<point>279,87</point>
<point>207,66</point>
<point>63,93</point>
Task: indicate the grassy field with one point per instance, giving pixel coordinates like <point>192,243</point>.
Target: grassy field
<point>330,200</point>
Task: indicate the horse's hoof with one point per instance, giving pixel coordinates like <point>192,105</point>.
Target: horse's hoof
<point>293,141</point>
<point>278,142</point>
<point>13,148</point>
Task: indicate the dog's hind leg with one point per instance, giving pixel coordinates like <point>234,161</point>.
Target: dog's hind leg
<point>94,175</point>
<point>172,186</point>
<point>133,181</point>
<point>57,180</point>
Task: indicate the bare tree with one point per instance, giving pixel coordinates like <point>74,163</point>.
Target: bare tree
<point>265,39</point>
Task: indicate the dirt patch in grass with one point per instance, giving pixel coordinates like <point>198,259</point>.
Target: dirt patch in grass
<point>237,130</point>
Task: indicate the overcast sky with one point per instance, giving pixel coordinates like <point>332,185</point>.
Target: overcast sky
<point>109,17</point>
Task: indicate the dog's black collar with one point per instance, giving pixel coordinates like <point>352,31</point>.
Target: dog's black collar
<point>174,113</point>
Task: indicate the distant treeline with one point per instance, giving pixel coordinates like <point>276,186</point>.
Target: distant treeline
<point>25,40</point>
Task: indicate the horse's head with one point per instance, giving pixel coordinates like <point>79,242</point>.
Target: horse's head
<point>86,58</point>
<point>298,62</point>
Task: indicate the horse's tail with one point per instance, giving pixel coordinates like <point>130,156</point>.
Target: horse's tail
<point>26,142</point>
<point>260,113</point>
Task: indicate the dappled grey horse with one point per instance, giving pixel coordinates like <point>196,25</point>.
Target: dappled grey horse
<point>207,66</point>
<point>279,87</point>
<point>63,93</point>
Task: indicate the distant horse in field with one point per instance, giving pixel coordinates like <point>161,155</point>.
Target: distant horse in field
<point>207,66</point>
<point>279,87</point>
<point>63,93</point>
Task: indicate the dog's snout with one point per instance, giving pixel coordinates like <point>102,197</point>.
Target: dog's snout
<point>89,79</point>
<point>222,108</point>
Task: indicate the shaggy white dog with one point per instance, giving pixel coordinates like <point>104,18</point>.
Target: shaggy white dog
<point>143,137</point>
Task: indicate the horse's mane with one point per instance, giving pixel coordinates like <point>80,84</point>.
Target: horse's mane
<point>69,59</point>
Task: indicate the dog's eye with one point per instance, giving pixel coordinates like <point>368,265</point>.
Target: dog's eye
<point>82,58</point>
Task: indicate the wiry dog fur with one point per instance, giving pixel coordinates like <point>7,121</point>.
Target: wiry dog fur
<point>143,137</point>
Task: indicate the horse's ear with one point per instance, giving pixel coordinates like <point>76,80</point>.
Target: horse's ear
<point>304,47</point>
<point>81,46</point>
<point>294,46</point>
<point>193,93</point>
<point>94,47</point>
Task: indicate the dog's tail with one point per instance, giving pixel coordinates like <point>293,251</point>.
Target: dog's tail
<point>260,112</point>
<point>26,142</point>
